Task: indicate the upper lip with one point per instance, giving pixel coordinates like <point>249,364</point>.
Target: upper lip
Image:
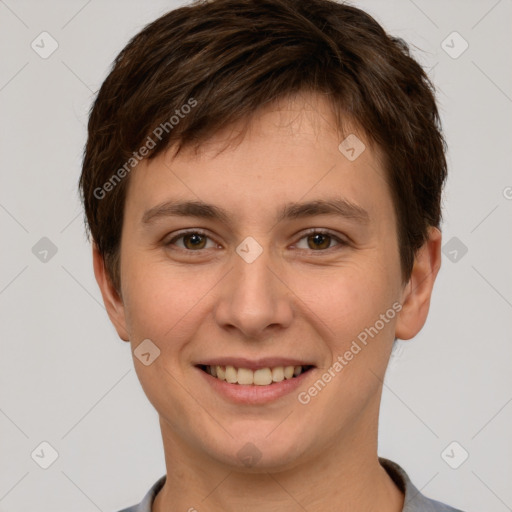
<point>254,364</point>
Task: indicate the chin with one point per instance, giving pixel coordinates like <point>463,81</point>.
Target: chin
<point>253,454</point>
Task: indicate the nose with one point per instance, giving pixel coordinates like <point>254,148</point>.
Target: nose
<point>254,298</point>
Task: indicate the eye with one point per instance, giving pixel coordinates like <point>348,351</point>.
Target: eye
<point>192,240</point>
<point>320,240</point>
<point>196,240</point>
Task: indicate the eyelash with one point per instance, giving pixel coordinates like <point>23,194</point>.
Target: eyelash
<point>313,231</point>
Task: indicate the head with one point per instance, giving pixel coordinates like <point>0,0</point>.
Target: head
<point>314,104</point>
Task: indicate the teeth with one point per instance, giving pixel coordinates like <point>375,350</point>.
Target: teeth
<point>260,377</point>
<point>245,376</point>
<point>231,374</point>
<point>278,374</point>
<point>288,372</point>
<point>220,371</point>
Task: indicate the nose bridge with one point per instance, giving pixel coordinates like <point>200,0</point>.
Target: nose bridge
<point>253,298</point>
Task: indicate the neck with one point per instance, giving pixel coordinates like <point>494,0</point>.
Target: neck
<point>346,476</point>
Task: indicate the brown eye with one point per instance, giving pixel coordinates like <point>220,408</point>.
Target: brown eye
<point>192,241</point>
<point>319,241</point>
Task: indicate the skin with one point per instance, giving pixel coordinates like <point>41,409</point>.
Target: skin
<point>294,300</point>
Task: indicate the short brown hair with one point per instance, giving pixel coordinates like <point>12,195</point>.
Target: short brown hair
<point>229,58</point>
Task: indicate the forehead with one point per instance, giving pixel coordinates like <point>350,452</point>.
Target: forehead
<point>291,151</point>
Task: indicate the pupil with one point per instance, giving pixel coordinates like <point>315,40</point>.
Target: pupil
<point>318,240</point>
<point>194,239</point>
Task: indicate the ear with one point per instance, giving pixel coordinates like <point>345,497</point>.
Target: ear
<point>113,302</point>
<point>416,294</point>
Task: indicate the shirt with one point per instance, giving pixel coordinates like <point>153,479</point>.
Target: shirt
<point>414,501</point>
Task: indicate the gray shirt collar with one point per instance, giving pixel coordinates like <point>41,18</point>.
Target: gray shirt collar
<point>414,501</point>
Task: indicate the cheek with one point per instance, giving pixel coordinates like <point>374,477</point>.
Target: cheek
<point>346,298</point>
<point>160,301</point>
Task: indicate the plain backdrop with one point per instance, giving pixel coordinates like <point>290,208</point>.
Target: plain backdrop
<point>67,380</point>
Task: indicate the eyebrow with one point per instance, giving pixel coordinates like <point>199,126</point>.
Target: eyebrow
<point>335,206</point>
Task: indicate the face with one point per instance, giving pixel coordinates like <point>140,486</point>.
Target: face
<point>258,280</point>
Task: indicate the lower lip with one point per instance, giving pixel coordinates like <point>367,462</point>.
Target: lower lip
<point>252,394</point>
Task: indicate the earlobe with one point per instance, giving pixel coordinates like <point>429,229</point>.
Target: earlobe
<point>418,291</point>
<point>113,302</point>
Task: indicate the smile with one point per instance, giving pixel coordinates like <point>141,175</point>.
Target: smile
<point>259,377</point>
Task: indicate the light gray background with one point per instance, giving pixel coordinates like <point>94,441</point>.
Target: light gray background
<point>66,378</point>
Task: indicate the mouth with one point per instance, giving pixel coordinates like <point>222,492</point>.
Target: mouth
<point>259,377</point>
